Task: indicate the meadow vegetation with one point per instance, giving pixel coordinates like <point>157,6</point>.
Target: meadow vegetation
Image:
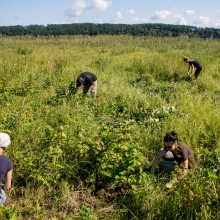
<point>81,158</point>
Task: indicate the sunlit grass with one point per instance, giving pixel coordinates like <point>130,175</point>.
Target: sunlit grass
<point>77,157</point>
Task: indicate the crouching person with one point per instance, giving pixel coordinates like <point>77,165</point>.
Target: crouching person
<point>5,167</point>
<point>89,82</point>
<point>173,153</point>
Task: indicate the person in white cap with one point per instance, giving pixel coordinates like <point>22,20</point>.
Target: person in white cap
<point>6,167</point>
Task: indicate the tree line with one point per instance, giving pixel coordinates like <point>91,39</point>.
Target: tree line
<point>155,30</point>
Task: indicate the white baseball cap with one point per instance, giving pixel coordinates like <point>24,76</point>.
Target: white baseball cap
<point>5,140</point>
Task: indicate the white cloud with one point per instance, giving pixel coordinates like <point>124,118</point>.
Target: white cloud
<point>161,15</point>
<point>217,23</point>
<point>131,12</point>
<point>79,6</point>
<point>101,5</point>
<point>118,15</point>
<point>76,9</point>
<point>202,21</point>
<point>179,19</point>
<point>189,12</point>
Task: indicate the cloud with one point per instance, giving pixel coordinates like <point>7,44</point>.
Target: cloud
<point>179,19</point>
<point>161,15</point>
<point>131,11</point>
<point>118,15</point>
<point>189,12</point>
<point>217,23</point>
<point>76,9</point>
<point>101,5</point>
<point>202,21</point>
<point>79,6</point>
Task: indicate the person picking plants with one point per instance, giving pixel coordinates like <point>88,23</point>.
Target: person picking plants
<point>182,155</point>
<point>192,64</point>
<point>89,82</point>
<point>6,167</point>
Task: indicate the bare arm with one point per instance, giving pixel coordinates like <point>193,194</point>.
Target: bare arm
<point>90,88</point>
<point>157,159</point>
<point>7,185</point>
<point>77,89</point>
<point>185,170</point>
<point>189,69</point>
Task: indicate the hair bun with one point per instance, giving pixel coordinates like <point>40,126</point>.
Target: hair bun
<point>173,133</point>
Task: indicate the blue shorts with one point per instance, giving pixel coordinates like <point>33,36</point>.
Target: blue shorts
<point>166,166</point>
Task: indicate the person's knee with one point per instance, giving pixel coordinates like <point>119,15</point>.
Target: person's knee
<point>166,166</point>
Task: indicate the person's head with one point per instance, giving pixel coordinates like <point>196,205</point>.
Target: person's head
<point>186,59</point>
<point>79,81</point>
<point>170,141</point>
<point>5,141</point>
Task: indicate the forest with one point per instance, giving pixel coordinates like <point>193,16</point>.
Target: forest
<point>155,30</point>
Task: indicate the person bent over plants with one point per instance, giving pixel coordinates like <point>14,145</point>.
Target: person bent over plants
<point>174,152</point>
<point>192,64</point>
<point>5,167</point>
<point>89,82</point>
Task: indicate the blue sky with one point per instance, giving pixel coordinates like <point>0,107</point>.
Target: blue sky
<point>201,13</point>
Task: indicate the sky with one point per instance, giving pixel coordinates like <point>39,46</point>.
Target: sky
<point>200,13</point>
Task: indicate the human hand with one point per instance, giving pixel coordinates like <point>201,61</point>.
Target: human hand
<point>171,183</point>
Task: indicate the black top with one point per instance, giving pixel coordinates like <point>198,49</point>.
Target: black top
<point>86,78</point>
<point>195,64</point>
<point>5,166</point>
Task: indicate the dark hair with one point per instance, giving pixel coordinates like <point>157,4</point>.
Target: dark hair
<point>171,137</point>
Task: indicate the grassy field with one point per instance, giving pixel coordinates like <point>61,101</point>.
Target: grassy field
<point>83,158</point>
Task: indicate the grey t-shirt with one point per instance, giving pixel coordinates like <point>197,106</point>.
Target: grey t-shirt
<point>184,153</point>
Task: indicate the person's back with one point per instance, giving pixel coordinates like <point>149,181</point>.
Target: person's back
<point>89,78</point>
<point>196,64</point>
<point>89,82</point>
<point>182,153</point>
<point>5,166</point>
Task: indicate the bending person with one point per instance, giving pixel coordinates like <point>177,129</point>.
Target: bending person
<point>192,64</point>
<point>5,167</point>
<point>89,82</point>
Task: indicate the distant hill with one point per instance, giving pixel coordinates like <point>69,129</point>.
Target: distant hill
<point>155,30</point>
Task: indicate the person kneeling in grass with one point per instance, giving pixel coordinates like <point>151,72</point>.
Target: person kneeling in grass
<point>182,154</point>
<point>89,82</point>
<point>5,167</point>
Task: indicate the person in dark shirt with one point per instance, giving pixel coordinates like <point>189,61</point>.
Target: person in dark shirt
<point>192,64</point>
<point>89,82</point>
<point>6,167</point>
<point>182,155</point>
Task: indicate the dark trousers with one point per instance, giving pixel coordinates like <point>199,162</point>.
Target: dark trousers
<point>197,72</point>
<point>166,166</point>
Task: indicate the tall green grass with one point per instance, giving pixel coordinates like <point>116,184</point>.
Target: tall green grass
<point>83,158</point>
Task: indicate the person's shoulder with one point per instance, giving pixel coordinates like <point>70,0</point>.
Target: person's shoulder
<point>5,159</point>
<point>184,146</point>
